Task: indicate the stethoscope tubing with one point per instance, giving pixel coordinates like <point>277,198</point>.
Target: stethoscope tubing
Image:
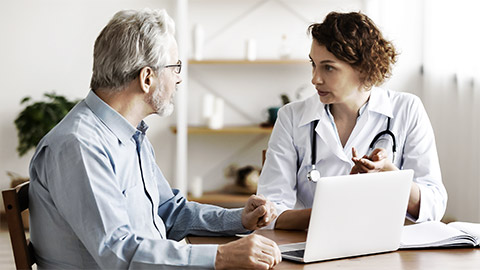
<point>370,147</point>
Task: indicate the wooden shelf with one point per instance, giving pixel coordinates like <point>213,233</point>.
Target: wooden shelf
<point>221,199</point>
<point>226,130</point>
<point>246,62</point>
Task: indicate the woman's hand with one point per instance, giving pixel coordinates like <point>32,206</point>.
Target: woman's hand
<point>377,161</point>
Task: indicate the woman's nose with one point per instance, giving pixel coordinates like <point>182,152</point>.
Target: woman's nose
<point>317,78</point>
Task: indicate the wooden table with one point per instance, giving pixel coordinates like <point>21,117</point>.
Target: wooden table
<point>431,259</point>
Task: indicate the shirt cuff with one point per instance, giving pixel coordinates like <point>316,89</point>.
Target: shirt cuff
<point>203,256</point>
<point>428,209</point>
<point>280,209</point>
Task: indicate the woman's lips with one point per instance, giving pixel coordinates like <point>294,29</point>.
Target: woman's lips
<point>322,93</point>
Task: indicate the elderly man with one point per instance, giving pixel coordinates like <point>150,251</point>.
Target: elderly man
<point>97,197</point>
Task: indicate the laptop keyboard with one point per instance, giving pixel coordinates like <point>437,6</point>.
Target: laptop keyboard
<point>296,253</point>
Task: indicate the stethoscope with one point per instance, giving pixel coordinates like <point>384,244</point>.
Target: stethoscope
<point>314,175</point>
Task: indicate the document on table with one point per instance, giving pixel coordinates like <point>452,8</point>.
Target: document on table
<point>434,234</point>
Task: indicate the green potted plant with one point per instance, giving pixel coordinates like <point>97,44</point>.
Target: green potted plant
<point>38,118</point>
<point>272,112</point>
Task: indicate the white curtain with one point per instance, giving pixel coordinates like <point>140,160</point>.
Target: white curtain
<point>451,92</point>
<point>439,41</point>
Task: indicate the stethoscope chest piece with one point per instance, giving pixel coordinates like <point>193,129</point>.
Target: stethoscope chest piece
<point>313,175</point>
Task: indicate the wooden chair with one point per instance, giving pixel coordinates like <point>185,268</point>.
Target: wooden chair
<point>15,202</point>
<point>264,156</point>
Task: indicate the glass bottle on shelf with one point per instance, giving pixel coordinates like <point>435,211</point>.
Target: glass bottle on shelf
<point>250,49</point>
<point>284,49</point>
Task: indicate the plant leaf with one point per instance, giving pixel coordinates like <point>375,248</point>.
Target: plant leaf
<point>38,118</point>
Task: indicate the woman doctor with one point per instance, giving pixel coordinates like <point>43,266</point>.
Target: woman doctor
<point>350,59</point>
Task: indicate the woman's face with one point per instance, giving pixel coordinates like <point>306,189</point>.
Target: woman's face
<point>336,81</point>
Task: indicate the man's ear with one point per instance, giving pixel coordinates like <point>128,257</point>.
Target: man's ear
<point>146,79</point>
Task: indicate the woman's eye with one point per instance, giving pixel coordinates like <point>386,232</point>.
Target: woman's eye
<point>312,63</point>
<point>328,68</point>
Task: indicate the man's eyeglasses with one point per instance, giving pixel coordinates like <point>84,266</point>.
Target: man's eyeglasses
<point>177,67</point>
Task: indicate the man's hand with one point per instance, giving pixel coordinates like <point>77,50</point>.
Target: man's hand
<point>251,252</point>
<point>258,212</point>
<point>377,161</point>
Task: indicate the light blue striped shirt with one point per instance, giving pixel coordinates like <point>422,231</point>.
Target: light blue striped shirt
<point>99,200</point>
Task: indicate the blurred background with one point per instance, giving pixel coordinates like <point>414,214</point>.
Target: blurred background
<point>240,58</point>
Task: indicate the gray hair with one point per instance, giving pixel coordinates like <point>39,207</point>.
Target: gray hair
<point>131,41</point>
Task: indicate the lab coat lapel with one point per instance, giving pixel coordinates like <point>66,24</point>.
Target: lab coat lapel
<point>379,102</point>
<point>314,110</point>
<point>359,133</point>
<point>328,135</point>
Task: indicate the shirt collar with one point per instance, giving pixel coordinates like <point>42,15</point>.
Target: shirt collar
<point>112,119</point>
<point>378,102</point>
<point>314,110</point>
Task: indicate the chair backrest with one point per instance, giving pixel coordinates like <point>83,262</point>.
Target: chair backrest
<point>264,156</point>
<point>16,201</point>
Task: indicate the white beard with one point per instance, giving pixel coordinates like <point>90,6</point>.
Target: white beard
<point>166,110</point>
<point>161,106</point>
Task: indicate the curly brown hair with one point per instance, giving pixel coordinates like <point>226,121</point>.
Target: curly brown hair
<point>354,38</point>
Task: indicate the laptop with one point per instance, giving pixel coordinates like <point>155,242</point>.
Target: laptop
<point>354,215</point>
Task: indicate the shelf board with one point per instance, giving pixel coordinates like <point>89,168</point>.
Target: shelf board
<point>226,130</point>
<point>246,62</point>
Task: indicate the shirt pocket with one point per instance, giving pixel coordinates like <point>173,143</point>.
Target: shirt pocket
<point>138,206</point>
<point>132,190</point>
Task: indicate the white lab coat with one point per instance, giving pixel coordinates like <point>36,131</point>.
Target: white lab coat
<point>284,175</point>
